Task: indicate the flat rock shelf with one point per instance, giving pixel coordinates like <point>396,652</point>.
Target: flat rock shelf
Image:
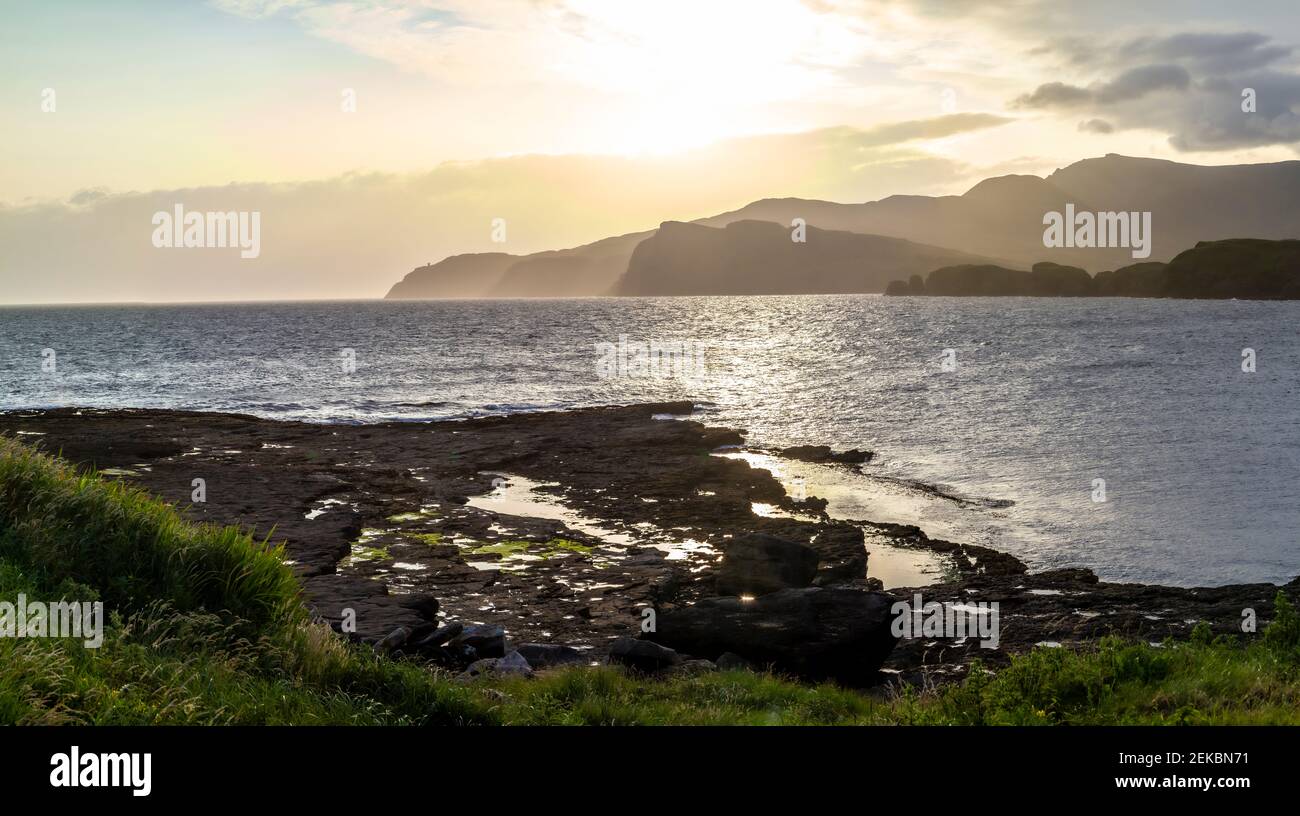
<point>565,527</point>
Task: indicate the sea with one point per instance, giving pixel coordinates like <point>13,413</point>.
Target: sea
<point>1152,441</point>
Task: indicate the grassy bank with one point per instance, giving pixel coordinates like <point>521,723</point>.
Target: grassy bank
<point>204,625</point>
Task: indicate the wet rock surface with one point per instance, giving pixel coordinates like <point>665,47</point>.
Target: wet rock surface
<point>757,564</point>
<point>379,519</point>
<point>823,453</point>
<point>396,526</point>
<point>816,632</point>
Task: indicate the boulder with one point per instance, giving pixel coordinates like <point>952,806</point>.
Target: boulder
<point>758,563</point>
<point>547,655</point>
<point>642,655</point>
<point>816,633</point>
<point>440,636</point>
<point>730,661</point>
<point>694,668</point>
<point>393,639</point>
<point>485,640</point>
<point>511,665</point>
<point>823,453</point>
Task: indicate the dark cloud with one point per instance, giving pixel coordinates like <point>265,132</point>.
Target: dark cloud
<point>1132,84</point>
<point>1214,53</point>
<point>1138,82</point>
<point>1189,85</point>
<point>1054,95</point>
<point>1220,122</point>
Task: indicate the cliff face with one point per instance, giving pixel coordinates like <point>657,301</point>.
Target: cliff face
<point>460,276</point>
<point>591,269</point>
<point>1244,268</point>
<point>760,258</point>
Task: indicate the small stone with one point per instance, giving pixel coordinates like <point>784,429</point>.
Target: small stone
<point>547,655</point>
<point>642,655</point>
<point>394,639</point>
<point>730,661</point>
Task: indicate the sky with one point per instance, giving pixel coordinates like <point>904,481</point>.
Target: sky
<point>374,136</point>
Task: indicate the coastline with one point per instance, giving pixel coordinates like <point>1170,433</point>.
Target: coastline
<point>411,524</point>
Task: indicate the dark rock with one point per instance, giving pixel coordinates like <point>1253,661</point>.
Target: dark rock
<point>1065,577</point>
<point>730,661</point>
<point>642,655</point>
<point>426,606</point>
<point>814,505</point>
<point>479,668</point>
<point>421,631</point>
<point>485,640</point>
<point>393,639</point>
<point>844,558</point>
<point>694,667</point>
<point>547,655</point>
<point>816,633</point>
<point>823,453</point>
<point>513,664</point>
<point>757,563</point>
<point>440,636</point>
<point>459,654</point>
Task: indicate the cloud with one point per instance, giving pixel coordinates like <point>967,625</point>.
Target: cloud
<point>1193,93</point>
<point>1134,83</point>
<point>88,196</point>
<point>788,49</point>
<point>936,128</point>
<point>1053,95</point>
<point>1138,82</point>
<point>1211,52</point>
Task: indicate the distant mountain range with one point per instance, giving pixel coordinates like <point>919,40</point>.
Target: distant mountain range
<point>861,247</point>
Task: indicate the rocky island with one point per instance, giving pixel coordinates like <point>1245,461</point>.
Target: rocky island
<point>1242,268</point>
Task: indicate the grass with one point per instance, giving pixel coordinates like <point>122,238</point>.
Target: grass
<point>205,623</point>
<point>205,626</point>
<point>507,549</point>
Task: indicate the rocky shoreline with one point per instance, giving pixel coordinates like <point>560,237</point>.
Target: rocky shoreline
<point>510,544</point>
